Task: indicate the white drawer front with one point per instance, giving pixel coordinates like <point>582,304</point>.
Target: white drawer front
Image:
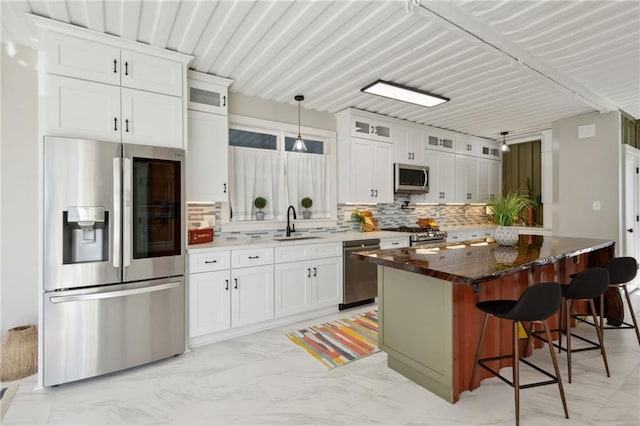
<point>474,235</point>
<point>392,243</point>
<point>293,253</point>
<point>456,236</point>
<point>207,262</point>
<point>251,257</point>
<point>327,250</point>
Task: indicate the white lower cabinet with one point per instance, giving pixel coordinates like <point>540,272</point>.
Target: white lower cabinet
<point>307,277</point>
<point>209,303</point>
<point>251,295</point>
<point>221,298</point>
<point>306,285</point>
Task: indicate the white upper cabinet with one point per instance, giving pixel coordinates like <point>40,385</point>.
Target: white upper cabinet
<point>207,156</point>
<point>441,177</point>
<point>370,181</point>
<point>151,119</point>
<point>409,145</point>
<point>365,163</point>
<point>467,179</point>
<point>440,142</point>
<point>101,87</point>
<point>367,127</point>
<point>466,146</point>
<point>66,112</point>
<point>207,93</point>
<point>80,58</point>
<point>150,73</point>
<point>89,60</point>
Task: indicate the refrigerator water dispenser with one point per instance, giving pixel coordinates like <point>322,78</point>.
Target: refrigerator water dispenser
<point>85,235</point>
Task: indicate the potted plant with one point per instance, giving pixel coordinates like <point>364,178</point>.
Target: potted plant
<point>507,211</point>
<point>306,202</point>
<point>260,203</point>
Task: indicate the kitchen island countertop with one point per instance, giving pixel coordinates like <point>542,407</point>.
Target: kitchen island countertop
<point>473,262</point>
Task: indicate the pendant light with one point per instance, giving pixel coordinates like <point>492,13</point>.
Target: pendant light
<point>504,147</point>
<point>299,146</point>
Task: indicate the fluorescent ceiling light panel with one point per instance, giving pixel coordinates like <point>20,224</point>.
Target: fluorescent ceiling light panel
<point>403,93</point>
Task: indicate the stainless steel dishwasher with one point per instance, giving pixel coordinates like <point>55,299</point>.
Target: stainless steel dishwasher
<point>360,277</point>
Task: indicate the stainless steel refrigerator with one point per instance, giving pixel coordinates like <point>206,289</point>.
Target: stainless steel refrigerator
<point>114,293</point>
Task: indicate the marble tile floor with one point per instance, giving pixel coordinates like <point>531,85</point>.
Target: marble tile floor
<point>265,379</point>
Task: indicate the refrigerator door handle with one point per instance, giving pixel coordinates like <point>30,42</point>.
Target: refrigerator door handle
<point>113,294</point>
<point>117,213</point>
<point>127,234</point>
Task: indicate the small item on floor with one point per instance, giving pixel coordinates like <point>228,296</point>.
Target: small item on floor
<point>19,353</point>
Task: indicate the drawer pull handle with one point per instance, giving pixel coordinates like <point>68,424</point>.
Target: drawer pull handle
<point>227,286</point>
<point>315,272</point>
<point>308,272</point>
<point>235,281</point>
<point>254,257</point>
<point>210,261</point>
<point>395,244</point>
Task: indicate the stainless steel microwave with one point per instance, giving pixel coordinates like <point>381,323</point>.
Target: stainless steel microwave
<point>411,178</point>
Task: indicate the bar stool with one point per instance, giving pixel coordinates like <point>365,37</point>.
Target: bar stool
<point>535,305</point>
<point>586,286</point>
<point>621,271</point>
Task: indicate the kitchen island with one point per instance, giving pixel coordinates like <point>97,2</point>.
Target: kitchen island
<point>429,325</point>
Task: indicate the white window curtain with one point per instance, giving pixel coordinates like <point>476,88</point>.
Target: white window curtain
<point>256,173</point>
<point>308,176</point>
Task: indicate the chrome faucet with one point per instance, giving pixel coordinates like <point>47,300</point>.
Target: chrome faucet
<point>291,227</point>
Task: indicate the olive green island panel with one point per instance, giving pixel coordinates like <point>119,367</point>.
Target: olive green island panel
<point>416,328</point>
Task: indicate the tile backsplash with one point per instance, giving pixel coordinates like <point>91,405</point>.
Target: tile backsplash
<point>399,213</point>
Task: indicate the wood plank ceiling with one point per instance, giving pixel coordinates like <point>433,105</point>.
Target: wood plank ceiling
<point>505,65</point>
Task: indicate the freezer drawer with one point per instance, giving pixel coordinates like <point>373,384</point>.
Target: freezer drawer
<point>105,329</point>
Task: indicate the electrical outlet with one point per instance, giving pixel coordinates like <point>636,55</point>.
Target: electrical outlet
<point>596,205</point>
<point>210,219</point>
<point>437,215</point>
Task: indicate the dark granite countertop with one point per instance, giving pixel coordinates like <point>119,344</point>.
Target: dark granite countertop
<point>473,262</point>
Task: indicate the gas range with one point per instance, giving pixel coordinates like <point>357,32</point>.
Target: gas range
<point>419,235</point>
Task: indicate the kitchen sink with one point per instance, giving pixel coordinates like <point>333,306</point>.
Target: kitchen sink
<point>294,238</point>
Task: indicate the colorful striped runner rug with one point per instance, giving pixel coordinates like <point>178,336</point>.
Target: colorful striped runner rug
<point>339,342</point>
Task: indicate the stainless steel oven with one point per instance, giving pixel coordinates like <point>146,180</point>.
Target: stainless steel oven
<point>113,257</point>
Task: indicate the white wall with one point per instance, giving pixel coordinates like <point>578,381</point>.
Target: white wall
<point>587,170</point>
<point>250,106</point>
<point>18,189</point>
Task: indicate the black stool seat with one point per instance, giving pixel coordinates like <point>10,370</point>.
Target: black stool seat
<point>621,271</point>
<point>586,285</point>
<point>536,304</point>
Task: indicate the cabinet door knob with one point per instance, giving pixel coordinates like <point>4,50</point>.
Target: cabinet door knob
<point>630,230</point>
